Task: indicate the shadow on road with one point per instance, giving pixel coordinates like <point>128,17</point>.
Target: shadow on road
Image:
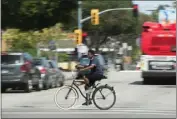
<point>156,82</point>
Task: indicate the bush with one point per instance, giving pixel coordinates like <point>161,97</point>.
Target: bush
<point>27,41</point>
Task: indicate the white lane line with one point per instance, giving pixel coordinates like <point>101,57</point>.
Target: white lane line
<point>95,110</point>
<point>129,71</point>
<point>137,109</point>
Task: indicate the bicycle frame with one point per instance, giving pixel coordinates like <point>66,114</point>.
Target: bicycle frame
<point>77,87</point>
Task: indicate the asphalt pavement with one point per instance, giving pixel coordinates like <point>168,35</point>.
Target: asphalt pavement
<point>134,100</point>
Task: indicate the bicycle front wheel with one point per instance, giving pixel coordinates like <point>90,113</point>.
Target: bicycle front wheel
<point>104,97</point>
<point>66,97</point>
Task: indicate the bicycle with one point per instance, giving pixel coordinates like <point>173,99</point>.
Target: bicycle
<point>94,89</point>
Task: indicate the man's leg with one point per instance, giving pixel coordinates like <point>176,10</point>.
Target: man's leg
<point>86,79</point>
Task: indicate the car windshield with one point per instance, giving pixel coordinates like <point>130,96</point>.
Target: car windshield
<point>10,59</point>
<point>37,62</point>
<point>84,61</point>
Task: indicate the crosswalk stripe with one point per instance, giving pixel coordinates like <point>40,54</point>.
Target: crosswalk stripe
<point>89,112</point>
<point>81,109</point>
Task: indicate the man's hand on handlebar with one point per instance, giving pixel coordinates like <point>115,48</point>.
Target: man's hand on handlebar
<point>79,66</point>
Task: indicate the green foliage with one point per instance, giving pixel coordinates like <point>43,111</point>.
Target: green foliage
<point>113,22</point>
<point>28,40</point>
<point>63,57</point>
<point>36,14</point>
<point>42,14</point>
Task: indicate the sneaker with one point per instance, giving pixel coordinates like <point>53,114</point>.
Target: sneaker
<point>85,103</point>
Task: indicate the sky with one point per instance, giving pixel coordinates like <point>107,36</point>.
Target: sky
<point>150,5</point>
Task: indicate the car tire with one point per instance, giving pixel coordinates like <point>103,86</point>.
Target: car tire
<point>146,81</point>
<point>3,90</point>
<point>53,85</point>
<point>46,86</point>
<point>40,85</point>
<point>57,84</point>
<point>46,83</point>
<point>61,83</point>
<point>28,86</point>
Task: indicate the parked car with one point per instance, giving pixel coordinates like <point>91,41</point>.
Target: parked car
<point>60,78</point>
<point>45,69</point>
<point>18,72</point>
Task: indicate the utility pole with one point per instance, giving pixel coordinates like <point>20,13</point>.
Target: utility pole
<point>79,15</point>
<point>79,20</point>
<point>38,49</point>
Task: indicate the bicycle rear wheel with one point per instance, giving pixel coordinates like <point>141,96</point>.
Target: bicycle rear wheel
<point>101,94</point>
<point>66,97</point>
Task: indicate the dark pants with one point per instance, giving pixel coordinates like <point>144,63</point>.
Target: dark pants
<point>93,78</point>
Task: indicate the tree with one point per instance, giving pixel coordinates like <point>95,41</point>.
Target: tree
<point>36,14</point>
<point>28,40</point>
<point>110,23</point>
<point>155,12</point>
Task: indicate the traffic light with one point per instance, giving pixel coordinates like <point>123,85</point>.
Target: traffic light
<point>84,36</point>
<point>135,10</point>
<point>78,36</point>
<point>95,16</point>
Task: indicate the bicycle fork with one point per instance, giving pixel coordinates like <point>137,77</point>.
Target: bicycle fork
<point>66,97</point>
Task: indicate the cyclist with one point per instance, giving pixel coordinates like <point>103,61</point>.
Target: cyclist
<point>82,65</point>
<point>95,74</point>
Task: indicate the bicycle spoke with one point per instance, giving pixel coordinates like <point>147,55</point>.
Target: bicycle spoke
<point>106,102</point>
<point>102,94</point>
<point>68,100</point>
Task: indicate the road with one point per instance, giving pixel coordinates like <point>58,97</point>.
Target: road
<point>134,100</point>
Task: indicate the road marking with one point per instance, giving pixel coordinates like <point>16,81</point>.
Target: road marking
<point>79,110</point>
<point>129,71</point>
<point>88,112</point>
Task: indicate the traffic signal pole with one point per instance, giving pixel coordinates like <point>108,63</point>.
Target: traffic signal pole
<point>79,15</point>
<point>81,21</point>
<point>107,10</point>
